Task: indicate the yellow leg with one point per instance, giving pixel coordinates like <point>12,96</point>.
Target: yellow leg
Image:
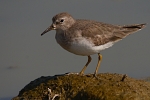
<point>98,64</point>
<point>89,60</point>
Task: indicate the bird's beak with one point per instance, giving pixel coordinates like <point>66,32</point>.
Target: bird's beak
<point>52,27</point>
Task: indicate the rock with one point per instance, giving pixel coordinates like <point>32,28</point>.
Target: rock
<point>105,86</point>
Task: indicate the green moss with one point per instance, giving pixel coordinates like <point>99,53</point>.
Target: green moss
<point>76,87</point>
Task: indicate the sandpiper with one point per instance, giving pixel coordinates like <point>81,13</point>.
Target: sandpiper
<point>88,37</point>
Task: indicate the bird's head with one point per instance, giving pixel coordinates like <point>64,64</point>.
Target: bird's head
<point>61,21</point>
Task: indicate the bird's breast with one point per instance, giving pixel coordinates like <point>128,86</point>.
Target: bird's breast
<point>63,40</point>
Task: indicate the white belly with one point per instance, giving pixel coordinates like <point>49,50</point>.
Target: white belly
<point>84,47</point>
<point>80,45</point>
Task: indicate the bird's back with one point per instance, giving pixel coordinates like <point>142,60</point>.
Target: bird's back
<point>102,33</point>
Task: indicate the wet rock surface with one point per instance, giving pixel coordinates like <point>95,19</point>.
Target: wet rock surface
<point>105,86</point>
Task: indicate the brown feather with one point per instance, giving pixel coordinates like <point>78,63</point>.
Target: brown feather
<point>101,33</point>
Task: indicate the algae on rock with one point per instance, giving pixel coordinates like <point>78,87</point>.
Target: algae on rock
<point>76,87</point>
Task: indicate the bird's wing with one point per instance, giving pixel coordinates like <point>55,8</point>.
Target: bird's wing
<point>101,33</point>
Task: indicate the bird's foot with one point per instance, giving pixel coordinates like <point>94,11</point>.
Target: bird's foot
<point>81,73</point>
<point>95,76</point>
<point>69,73</point>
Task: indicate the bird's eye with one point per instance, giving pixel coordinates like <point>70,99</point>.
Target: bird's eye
<point>62,20</point>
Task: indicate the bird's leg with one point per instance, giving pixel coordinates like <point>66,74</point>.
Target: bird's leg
<point>98,64</point>
<point>89,60</point>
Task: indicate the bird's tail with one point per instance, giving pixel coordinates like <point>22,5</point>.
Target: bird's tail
<point>126,30</point>
<point>129,29</point>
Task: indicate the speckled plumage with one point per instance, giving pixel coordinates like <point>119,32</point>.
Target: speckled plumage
<point>87,37</point>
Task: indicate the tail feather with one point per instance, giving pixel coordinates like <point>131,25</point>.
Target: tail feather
<point>129,29</point>
<point>136,26</point>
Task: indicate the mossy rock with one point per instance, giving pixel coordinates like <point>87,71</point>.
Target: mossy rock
<point>105,86</point>
<point>147,79</point>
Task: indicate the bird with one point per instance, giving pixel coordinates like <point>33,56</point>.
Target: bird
<point>87,37</point>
